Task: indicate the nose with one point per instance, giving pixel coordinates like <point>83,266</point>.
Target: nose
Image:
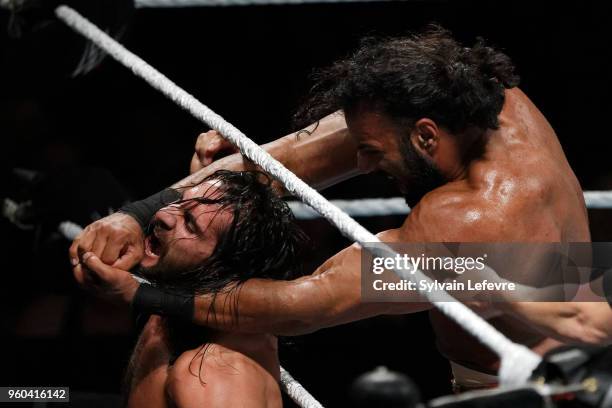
<point>166,217</point>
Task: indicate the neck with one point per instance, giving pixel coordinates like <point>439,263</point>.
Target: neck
<point>470,145</point>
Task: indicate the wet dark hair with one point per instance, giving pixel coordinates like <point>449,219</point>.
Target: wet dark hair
<point>423,75</point>
<point>262,240</point>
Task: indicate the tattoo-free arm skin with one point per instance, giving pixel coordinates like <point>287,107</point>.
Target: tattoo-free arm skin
<point>329,297</point>
<point>570,322</point>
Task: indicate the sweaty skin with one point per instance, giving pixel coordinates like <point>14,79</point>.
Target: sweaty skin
<point>218,374</point>
<point>305,153</point>
<point>229,369</point>
<point>521,188</point>
<point>118,240</point>
<point>518,187</point>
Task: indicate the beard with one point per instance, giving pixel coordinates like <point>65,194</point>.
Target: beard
<point>420,176</point>
<point>160,273</point>
<point>164,270</point>
<point>172,274</point>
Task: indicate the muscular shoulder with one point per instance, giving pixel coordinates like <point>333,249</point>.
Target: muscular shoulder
<point>217,376</point>
<point>452,215</point>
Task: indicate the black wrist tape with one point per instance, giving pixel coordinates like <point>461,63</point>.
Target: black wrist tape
<point>143,210</point>
<point>150,300</point>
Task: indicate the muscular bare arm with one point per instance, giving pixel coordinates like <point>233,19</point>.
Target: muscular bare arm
<point>571,322</point>
<point>323,156</point>
<point>329,297</point>
<point>332,295</point>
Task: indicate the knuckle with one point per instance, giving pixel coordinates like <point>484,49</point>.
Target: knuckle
<point>124,234</point>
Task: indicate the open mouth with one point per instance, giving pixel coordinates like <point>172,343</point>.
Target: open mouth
<point>153,246</point>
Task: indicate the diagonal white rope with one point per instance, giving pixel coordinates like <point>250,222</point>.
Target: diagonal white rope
<point>517,361</point>
<point>376,207</point>
<point>298,393</point>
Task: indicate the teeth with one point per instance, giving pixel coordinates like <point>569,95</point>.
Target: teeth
<point>149,247</point>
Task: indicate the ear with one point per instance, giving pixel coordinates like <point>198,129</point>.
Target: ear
<point>425,136</point>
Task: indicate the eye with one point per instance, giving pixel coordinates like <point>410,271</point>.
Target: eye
<point>190,224</point>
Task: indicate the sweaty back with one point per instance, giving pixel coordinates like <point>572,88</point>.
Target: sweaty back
<point>521,190</point>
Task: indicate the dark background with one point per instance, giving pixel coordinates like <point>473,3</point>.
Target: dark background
<point>101,138</point>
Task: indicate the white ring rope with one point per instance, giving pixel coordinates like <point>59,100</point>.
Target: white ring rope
<point>227,3</point>
<point>297,392</point>
<point>517,361</point>
<point>377,207</point>
<point>598,199</point>
<point>363,207</point>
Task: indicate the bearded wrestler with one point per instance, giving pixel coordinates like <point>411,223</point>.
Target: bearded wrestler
<point>476,161</point>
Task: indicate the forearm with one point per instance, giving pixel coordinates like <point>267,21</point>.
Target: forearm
<point>267,306</point>
<point>288,308</point>
<point>325,157</point>
<point>569,313</point>
<point>329,297</point>
<point>571,322</point>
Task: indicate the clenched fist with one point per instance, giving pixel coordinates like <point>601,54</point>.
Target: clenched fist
<point>117,240</point>
<point>209,147</point>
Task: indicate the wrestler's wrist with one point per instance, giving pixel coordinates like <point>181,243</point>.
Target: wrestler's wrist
<point>128,292</point>
<point>148,299</point>
<point>142,211</point>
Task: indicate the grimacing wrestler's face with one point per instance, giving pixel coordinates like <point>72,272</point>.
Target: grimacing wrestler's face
<point>382,147</point>
<point>185,234</point>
